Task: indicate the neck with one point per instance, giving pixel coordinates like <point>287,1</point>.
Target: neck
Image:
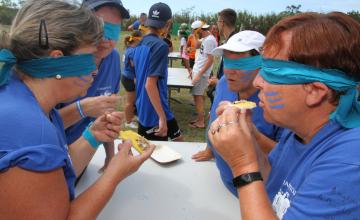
<point>247,93</point>
<point>313,120</point>
<point>227,32</point>
<point>43,92</point>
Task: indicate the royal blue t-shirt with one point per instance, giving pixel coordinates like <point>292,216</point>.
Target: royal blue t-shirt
<point>107,81</point>
<point>28,138</point>
<point>136,25</point>
<point>271,131</point>
<point>128,69</point>
<point>318,180</point>
<point>150,59</point>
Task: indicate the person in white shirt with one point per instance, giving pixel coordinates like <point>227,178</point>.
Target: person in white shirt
<point>201,71</point>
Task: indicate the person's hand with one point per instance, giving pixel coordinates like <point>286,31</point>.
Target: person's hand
<point>196,79</point>
<point>162,130</point>
<point>203,155</point>
<point>222,106</point>
<point>124,163</point>
<point>99,105</point>
<point>232,138</point>
<point>106,128</point>
<point>213,81</point>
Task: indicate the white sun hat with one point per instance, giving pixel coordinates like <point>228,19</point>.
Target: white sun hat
<point>242,42</point>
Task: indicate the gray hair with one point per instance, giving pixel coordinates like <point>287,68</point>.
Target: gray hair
<point>68,28</point>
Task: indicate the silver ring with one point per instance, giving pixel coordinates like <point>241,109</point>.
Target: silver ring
<point>225,124</point>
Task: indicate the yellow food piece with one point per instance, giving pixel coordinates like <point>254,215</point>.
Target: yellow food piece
<point>244,104</point>
<point>138,141</point>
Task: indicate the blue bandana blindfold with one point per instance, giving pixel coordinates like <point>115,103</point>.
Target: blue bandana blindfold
<point>112,31</point>
<point>65,66</point>
<point>247,63</point>
<point>347,112</point>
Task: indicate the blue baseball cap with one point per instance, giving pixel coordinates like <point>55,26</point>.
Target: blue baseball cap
<point>94,4</point>
<point>159,14</point>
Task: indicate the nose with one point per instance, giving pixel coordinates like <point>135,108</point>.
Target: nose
<point>258,81</point>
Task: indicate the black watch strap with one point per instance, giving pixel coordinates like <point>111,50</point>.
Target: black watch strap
<point>246,178</point>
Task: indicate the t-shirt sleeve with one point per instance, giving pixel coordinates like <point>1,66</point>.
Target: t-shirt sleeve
<point>39,158</point>
<point>183,42</point>
<point>136,25</point>
<point>159,61</point>
<point>209,45</point>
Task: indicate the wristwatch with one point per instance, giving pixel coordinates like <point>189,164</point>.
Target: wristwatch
<point>246,178</point>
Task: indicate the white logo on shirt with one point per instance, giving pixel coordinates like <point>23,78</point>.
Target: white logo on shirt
<point>155,14</point>
<point>282,200</point>
<point>281,203</point>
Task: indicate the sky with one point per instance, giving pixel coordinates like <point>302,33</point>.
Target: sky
<point>256,7</point>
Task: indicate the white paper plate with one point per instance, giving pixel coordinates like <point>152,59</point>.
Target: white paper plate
<point>164,154</point>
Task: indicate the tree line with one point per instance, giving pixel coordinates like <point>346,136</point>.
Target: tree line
<point>245,19</point>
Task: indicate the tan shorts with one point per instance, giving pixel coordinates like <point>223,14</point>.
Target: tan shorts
<point>200,87</point>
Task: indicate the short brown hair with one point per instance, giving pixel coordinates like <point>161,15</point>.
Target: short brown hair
<point>228,16</point>
<point>328,41</point>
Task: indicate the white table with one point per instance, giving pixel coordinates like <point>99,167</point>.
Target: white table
<point>184,190</point>
<point>178,78</point>
<point>173,56</point>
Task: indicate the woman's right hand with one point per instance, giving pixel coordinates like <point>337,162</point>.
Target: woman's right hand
<point>124,163</point>
<point>99,105</point>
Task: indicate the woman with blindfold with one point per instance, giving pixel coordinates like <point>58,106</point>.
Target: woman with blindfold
<point>48,59</point>
<point>308,84</point>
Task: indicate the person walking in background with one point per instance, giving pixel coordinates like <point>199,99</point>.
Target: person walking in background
<point>156,121</point>
<point>183,50</point>
<point>201,72</point>
<point>127,78</point>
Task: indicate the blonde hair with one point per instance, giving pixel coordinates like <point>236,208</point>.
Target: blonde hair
<point>68,28</point>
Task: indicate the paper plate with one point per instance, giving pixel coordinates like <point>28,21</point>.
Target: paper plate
<point>164,154</point>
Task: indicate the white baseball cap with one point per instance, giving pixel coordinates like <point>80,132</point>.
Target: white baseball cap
<point>199,24</point>
<point>241,42</point>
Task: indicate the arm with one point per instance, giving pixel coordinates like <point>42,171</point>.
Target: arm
<point>207,65</point>
<point>236,144</point>
<point>154,96</point>
<point>105,129</point>
<point>91,106</point>
<point>32,189</point>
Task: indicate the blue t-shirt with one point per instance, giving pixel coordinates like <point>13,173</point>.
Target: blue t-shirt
<point>136,25</point>
<point>150,59</point>
<point>128,69</point>
<point>107,81</point>
<point>28,138</point>
<point>318,180</point>
<point>271,131</point>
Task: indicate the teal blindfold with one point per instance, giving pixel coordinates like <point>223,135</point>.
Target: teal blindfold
<point>247,63</point>
<point>65,66</point>
<point>112,31</point>
<point>347,112</point>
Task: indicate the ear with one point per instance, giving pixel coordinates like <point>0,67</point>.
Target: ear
<point>56,53</point>
<point>316,93</point>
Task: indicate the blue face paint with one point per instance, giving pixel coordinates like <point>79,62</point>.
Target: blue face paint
<point>274,100</point>
<point>112,31</point>
<point>247,63</point>
<point>65,66</point>
<point>347,112</point>
<point>277,106</point>
<point>271,93</point>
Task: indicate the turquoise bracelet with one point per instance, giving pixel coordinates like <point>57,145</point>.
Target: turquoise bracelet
<point>90,137</point>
